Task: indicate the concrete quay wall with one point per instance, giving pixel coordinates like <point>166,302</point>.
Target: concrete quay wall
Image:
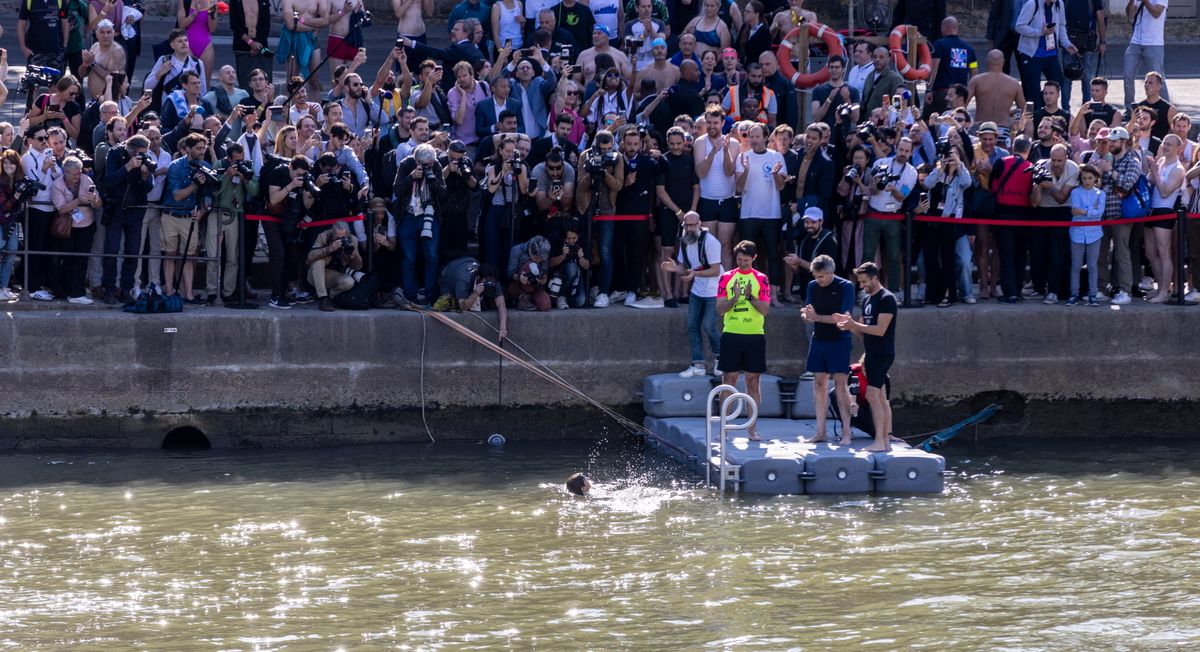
<point>79,378</point>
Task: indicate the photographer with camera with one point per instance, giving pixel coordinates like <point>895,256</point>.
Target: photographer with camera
<point>41,167</point>
<point>339,195</point>
<point>570,255</point>
<point>128,178</point>
<point>334,264</point>
<point>602,177</point>
<point>890,181</point>
<point>555,192</point>
<point>190,179</point>
<point>465,284</point>
<point>462,196</point>
<point>290,196</point>
<point>238,185</point>
<point>15,190</point>
<point>947,183</point>
<point>529,273</point>
<point>507,181</point>
<point>420,190</point>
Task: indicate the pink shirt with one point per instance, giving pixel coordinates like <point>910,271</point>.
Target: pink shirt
<point>577,131</point>
<point>60,194</point>
<point>466,131</point>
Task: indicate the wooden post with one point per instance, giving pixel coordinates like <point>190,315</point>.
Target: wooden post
<point>802,46</point>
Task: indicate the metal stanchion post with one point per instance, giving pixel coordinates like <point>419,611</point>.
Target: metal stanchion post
<point>240,302</point>
<point>25,257</point>
<point>1181,231</point>
<point>906,263</point>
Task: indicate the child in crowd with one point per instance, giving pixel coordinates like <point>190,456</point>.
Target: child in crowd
<point>1087,205</point>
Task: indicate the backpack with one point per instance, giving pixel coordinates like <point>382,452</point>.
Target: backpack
<point>359,296</point>
<point>699,248</point>
<point>153,302</point>
<point>1137,203</point>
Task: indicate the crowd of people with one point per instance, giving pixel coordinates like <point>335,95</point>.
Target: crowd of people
<point>561,155</point>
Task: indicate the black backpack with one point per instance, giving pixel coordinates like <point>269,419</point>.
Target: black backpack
<point>359,296</point>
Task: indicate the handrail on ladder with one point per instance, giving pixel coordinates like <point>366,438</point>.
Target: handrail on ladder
<point>735,401</point>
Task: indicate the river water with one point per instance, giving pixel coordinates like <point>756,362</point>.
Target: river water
<point>1079,546</point>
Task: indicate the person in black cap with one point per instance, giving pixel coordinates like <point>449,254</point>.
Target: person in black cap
<point>461,190</point>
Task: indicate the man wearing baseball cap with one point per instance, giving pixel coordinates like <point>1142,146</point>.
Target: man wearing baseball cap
<point>818,241</point>
<point>1117,179</point>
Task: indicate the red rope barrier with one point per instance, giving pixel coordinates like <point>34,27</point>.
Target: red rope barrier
<point>306,225</point>
<point>620,218</point>
<point>1040,223</point>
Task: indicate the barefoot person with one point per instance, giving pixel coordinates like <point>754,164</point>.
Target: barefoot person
<point>878,330</point>
<point>340,52</point>
<point>829,295</point>
<point>995,92</point>
<point>410,20</point>
<point>743,298</point>
<point>298,49</point>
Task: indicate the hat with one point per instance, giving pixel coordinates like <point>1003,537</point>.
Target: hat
<point>1118,133</point>
<point>377,202</point>
<point>813,214</point>
<point>104,24</point>
<point>657,42</point>
<point>458,146</point>
<point>603,29</point>
<point>988,127</point>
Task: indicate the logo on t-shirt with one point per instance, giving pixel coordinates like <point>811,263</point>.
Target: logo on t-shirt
<point>958,57</point>
<point>766,170</point>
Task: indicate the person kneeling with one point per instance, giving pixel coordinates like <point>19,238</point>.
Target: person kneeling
<point>334,264</point>
<point>528,271</point>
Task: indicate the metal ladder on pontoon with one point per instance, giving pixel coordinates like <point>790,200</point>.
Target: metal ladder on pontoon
<point>731,408</point>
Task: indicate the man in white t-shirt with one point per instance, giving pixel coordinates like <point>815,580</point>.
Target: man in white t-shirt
<point>898,178</point>
<point>761,173</point>
<point>1146,51</point>
<point>699,260</point>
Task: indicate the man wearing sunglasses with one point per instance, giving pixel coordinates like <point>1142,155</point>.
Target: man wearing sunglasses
<point>40,166</point>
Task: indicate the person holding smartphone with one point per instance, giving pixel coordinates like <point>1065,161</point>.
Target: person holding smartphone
<point>1043,28</point>
<point>75,195</point>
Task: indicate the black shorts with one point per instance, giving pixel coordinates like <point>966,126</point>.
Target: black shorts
<point>1163,224</point>
<point>745,353</point>
<point>668,226</point>
<point>877,367</point>
<point>720,210</point>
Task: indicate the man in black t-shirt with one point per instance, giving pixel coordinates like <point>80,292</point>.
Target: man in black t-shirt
<point>464,284</point>
<point>818,241</point>
<point>576,19</point>
<point>251,26</point>
<point>1096,109</point>
<point>678,190</point>
<point>42,33</point>
<point>878,330</point>
<point>1051,108</point>
<point>953,63</point>
<point>636,198</point>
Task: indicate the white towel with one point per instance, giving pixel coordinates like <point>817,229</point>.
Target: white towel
<point>127,29</point>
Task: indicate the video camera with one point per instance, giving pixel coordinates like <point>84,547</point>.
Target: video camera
<point>37,76</point>
<point>1041,173</point>
<point>596,163</point>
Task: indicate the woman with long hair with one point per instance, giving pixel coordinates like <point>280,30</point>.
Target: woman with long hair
<point>566,100</point>
<point>11,206</point>
<point>1166,186</point>
<point>711,32</point>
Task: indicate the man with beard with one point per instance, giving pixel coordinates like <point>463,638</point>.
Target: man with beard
<point>828,98</point>
<point>678,191</point>
<point>818,241</point>
<point>1118,179</point>
<point>785,91</point>
<point>358,109</point>
<point>766,108</point>
<point>898,178</point>
<point>559,138</point>
<point>698,263</point>
<point>636,198</point>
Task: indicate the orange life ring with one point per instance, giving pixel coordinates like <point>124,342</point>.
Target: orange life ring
<point>924,58</point>
<point>784,54</point>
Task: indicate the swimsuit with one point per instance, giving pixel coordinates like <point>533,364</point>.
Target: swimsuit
<point>709,38</point>
<point>298,44</point>
<point>199,38</point>
<point>337,48</point>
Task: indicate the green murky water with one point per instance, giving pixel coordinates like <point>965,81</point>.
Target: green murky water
<point>1074,547</point>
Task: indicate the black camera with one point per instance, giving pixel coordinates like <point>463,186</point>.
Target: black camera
<point>463,164</point>
<point>149,164</point>
<point>516,159</point>
<point>430,172</point>
<point>1041,173</point>
<point>847,109</point>
<point>573,250</point>
<point>944,148</point>
<point>38,76</point>
<point>244,168</point>
<point>309,186</point>
<point>596,163</point>
<point>883,178</point>
<point>26,187</point>
<point>347,245</point>
<point>206,175</point>
<point>489,286</point>
<point>867,131</point>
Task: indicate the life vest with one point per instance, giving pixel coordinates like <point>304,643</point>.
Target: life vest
<point>1013,187</point>
<point>764,101</point>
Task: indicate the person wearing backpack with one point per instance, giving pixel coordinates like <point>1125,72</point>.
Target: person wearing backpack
<point>698,261</point>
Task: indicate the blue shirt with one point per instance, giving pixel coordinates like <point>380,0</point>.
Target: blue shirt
<point>179,176</point>
<point>1093,202</point>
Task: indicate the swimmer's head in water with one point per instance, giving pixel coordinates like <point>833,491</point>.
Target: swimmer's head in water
<point>579,484</point>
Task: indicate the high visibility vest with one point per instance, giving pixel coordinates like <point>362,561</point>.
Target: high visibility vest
<point>735,103</point>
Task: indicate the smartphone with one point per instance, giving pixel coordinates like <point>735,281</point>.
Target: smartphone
<point>527,52</point>
<point>1029,108</point>
<point>508,44</point>
<point>887,99</point>
<point>896,102</point>
<point>400,42</point>
<point>556,184</point>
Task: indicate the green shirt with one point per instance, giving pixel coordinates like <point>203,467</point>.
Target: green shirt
<point>77,18</point>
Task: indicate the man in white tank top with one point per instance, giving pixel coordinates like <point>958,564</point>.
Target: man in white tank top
<point>715,157</point>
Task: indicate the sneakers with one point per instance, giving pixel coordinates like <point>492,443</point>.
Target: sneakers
<point>1092,303</point>
<point>1121,298</point>
<point>281,302</point>
<point>1146,284</point>
<point>601,301</point>
<point>42,295</point>
<point>630,298</point>
<point>7,295</point>
<point>717,367</point>
<point>646,302</point>
<point>1072,301</point>
<point>560,303</point>
<point>110,297</point>
<point>301,296</point>
<point>1051,299</point>
<point>619,295</point>
<point>1032,294</point>
<point>970,299</point>
<point>327,304</point>
<point>693,371</point>
<point>1194,295</point>
<point>1102,296</point>
<point>81,300</point>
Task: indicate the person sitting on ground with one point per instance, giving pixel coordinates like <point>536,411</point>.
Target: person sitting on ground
<point>334,263</point>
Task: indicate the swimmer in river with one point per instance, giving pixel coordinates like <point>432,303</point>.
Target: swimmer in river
<point>579,484</point>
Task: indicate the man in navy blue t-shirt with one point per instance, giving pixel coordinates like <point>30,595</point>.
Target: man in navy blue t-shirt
<point>878,330</point>
<point>829,348</point>
<point>953,62</point>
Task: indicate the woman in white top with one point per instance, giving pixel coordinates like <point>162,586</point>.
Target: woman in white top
<point>507,22</point>
<point>1166,186</point>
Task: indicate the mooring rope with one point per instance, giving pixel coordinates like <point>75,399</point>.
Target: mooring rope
<point>541,371</point>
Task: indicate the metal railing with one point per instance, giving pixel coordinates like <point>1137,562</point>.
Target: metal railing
<point>734,401</point>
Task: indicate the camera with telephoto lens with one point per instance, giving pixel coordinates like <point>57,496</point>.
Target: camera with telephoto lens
<point>244,168</point>
<point>347,245</point>
<point>1041,173</point>
<point>463,165</point>
<point>207,175</point>
<point>867,131</point>
<point>37,76</point>
<point>533,275</point>
<point>149,164</point>
<point>596,163</point>
<point>944,148</point>
<point>427,224</point>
